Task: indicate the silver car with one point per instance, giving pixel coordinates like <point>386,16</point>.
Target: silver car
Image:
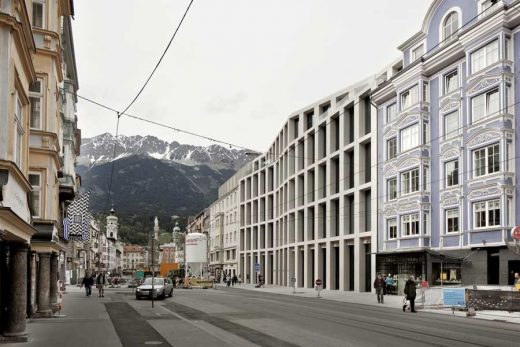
<point>161,287</point>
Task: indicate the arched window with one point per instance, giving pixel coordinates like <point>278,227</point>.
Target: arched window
<point>450,26</point>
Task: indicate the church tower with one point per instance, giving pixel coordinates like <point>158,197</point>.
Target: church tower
<point>112,226</point>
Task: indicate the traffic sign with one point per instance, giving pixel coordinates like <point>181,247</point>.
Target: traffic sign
<point>515,233</point>
<point>257,267</point>
<point>318,282</point>
<point>293,280</point>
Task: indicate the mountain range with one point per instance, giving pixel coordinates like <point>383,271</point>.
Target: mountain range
<point>151,176</point>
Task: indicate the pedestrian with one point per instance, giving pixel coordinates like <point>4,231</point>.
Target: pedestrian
<point>228,281</point>
<point>88,281</point>
<point>239,279</point>
<point>389,281</point>
<point>409,291</point>
<point>234,280</point>
<point>101,282</point>
<point>379,285</point>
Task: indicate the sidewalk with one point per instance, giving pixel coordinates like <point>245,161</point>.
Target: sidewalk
<point>394,301</point>
<point>85,323</point>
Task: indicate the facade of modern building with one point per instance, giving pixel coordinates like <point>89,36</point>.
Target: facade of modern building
<point>447,147</point>
<point>308,207</point>
<point>223,231</point>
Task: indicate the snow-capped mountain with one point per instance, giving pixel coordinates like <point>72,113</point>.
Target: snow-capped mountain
<point>100,149</point>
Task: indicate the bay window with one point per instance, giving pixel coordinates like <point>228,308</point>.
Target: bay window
<point>486,160</point>
<point>409,97</point>
<point>410,181</point>
<point>35,98</point>
<point>35,180</point>
<point>485,105</point>
<point>486,213</point>
<point>484,56</point>
<point>410,224</point>
<point>410,137</point>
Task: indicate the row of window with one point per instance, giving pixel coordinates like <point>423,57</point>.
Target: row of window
<point>486,161</point>
<point>486,214</point>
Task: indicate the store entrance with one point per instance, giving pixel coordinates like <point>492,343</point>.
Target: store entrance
<point>513,266</point>
<point>493,267</point>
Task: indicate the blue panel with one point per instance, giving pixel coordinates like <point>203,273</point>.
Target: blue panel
<point>451,241</point>
<point>407,243</point>
<point>391,245</point>
<point>488,236</point>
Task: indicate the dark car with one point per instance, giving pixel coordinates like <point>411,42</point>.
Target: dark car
<point>161,287</point>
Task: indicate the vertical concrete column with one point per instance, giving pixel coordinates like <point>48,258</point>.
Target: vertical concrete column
<point>53,286</point>
<point>44,309</point>
<point>17,291</point>
<point>32,299</point>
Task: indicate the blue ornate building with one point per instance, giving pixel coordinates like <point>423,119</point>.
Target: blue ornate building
<point>447,147</point>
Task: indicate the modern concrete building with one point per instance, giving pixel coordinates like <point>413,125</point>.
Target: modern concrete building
<point>223,231</point>
<point>448,147</point>
<point>308,206</point>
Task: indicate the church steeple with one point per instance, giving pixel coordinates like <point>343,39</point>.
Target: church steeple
<point>112,225</point>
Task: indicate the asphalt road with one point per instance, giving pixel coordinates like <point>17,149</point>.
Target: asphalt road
<point>234,317</point>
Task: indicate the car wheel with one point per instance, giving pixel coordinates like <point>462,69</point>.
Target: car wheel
<point>163,295</point>
<point>137,297</point>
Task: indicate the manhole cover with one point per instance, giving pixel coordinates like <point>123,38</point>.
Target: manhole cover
<point>153,343</point>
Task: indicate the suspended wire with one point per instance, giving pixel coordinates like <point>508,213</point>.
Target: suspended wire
<point>113,163</point>
<point>160,60</point>
<point>187,132</point>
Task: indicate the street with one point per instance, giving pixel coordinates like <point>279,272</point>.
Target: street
<point>237,317</point>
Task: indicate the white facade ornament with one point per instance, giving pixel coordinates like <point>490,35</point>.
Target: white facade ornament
<point>409,163</point>
<point>407,119</point>
<point>450,153</point>
<point>483,137</point>
<point>483,192</point>
<point>483,83</point>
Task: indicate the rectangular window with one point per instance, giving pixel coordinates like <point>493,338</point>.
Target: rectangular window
<point>452,221</point>
<point>486,160</point>
<point>391,148</point>
<point>452,173</point>
<point>35,180</point>
<point>451,82</point>
<point>35,98</point>
<point>487,213</point>
<point>425,92</point>
<point>392,228</point>
<point>391,113</point>
<point>509,100</point>
<point>425,133</point>
<point>38,13</point>
<point>417,53</point>
<point>485,105</point>
<point>451,125</point>
<point>410,181</point>
<point>18,132</point>
<point>410,137</point>
<point>484,56</point>
<point>508,48</point>
<point>409,97</point>
<point>391,190</point>
<point>410,224</point>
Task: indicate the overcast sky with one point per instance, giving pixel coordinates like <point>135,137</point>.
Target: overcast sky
<point>237,68</point>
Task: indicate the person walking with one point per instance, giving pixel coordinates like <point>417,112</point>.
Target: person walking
<point>101,282</point>
<point>379,285</point>
<point>409,291</point>
<point>234,280</point>
<point>389,284</point>
<point>88,281</point>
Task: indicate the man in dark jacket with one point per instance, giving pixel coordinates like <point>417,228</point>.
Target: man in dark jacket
<point>101,282</point>
<point>379,285</point>
<point>88,281</point>
<point>409,291</point>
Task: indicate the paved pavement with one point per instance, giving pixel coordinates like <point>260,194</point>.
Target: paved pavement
<point>394,301</point>
<point>255,317</point>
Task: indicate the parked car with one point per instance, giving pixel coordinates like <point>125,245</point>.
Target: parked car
<point>161,287</point>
